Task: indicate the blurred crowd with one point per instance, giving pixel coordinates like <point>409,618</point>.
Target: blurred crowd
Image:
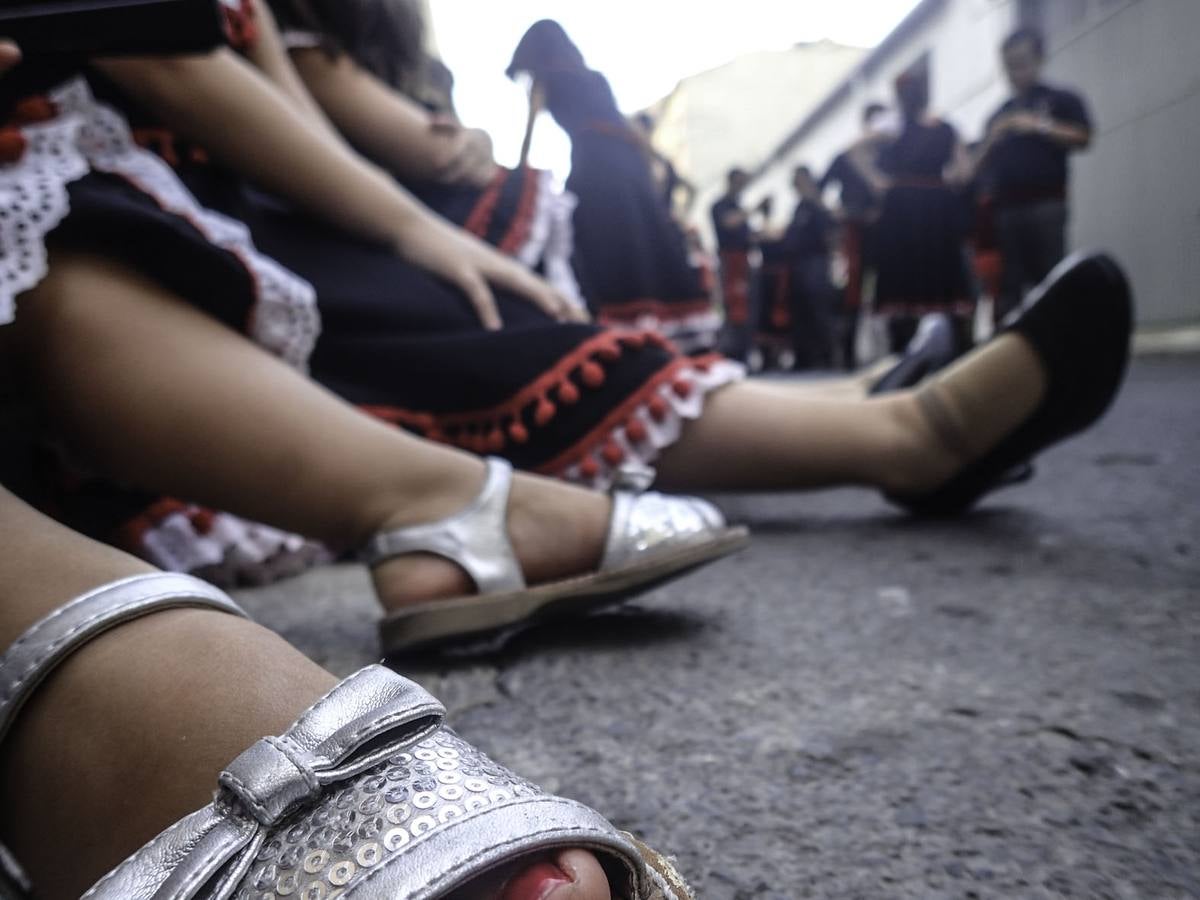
<point>909,220</point>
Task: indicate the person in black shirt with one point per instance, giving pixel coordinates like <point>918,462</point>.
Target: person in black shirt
<point>735,240</point>
<point>1029,140</point>
<point>808,240</point>
<point>919,239</point>
<point>859,209</point>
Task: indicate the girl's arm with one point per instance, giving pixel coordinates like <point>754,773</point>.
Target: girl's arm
<point>245,121</point>
<point>271,58</point>
<point>389,127</point>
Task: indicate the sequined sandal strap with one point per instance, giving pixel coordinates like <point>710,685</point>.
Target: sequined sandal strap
<point>475,538</point>
<point>370,717</point>
<point>643,520</point>
<point>34,655</point>
<point>367,797</point>
<point>460,850</point>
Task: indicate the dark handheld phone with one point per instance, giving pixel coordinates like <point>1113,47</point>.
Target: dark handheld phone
<point>82,28</point>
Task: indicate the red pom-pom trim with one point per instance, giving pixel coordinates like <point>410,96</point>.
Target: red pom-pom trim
<point>589,468</point>
<point>568,393</point>
<point>202,520</point>
<point>545,412</point>
<point>518,432</point>
<point>593,374</point>
<point>12,145</point>
<point>32,110</point>
<point>613,454</point>
<point>658,408</point>
<point>682,389</point>
<point>635,429</point>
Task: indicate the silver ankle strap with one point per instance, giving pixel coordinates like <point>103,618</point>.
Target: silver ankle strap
<point>36,653</point>
<point>475,538</point>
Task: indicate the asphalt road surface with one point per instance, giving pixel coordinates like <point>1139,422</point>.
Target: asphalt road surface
<point>867,706</point>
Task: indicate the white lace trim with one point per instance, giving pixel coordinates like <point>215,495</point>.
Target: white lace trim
<point>33,201</point>
<point>551,239</point>
<point>299,39</point>
<point>231,552</point>
<point>284,319</point>
<point>660,435</point>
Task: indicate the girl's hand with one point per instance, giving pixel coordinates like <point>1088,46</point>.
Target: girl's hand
<point>473,267</point>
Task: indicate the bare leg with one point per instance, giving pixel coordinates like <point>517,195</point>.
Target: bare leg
<point>130,733</point>
<point>115,356</point>
<point>155,393</point>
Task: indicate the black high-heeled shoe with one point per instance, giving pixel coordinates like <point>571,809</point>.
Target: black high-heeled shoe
<point>1079,321</point>
<point>932,348</point>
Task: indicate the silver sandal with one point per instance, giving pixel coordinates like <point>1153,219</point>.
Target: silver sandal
<point>367,796</point>
<point>652,538</point>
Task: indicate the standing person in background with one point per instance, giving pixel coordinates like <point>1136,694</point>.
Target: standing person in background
<point>631,257</point>
<point>919,239</point>
<point>735,240</point>
<point>1029,139</point>
<point>858,212</point>
<point>666,176</point>
<point>797,295</point>
<point>809,239</point>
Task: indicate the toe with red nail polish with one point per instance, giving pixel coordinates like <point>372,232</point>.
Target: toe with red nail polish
<point>536,882</point>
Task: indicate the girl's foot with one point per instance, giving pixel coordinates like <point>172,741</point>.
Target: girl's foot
<point>164,705</point>
<point>556,530</point>
<point>526,548</point>
<point>1051,375</point>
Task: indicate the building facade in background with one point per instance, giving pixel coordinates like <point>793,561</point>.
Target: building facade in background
<point>735,114</point>
<point>1136,191</point>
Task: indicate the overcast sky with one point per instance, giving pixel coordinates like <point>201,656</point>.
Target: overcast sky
<point>644,47</point>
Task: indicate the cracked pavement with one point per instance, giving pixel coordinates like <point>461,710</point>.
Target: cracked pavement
<point>866,706</point>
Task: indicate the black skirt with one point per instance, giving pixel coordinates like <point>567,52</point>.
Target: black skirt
<point>570,400</point>
<point>918,250</point>
<point>630,255</point>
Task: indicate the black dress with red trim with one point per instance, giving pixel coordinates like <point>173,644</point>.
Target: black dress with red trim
<point>501,213</point>
<point>72,176</point>
<point>776,290</point>
<point>575,401</point>
<point>919,239</point>
<point>631,257</point>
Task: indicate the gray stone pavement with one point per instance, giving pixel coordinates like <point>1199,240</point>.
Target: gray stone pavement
<point>866,706</point>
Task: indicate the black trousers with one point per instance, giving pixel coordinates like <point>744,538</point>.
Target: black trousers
<point>813,308</point>
<point>1032,241</point>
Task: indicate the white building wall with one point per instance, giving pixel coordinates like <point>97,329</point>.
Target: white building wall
<point>1137,191</point>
